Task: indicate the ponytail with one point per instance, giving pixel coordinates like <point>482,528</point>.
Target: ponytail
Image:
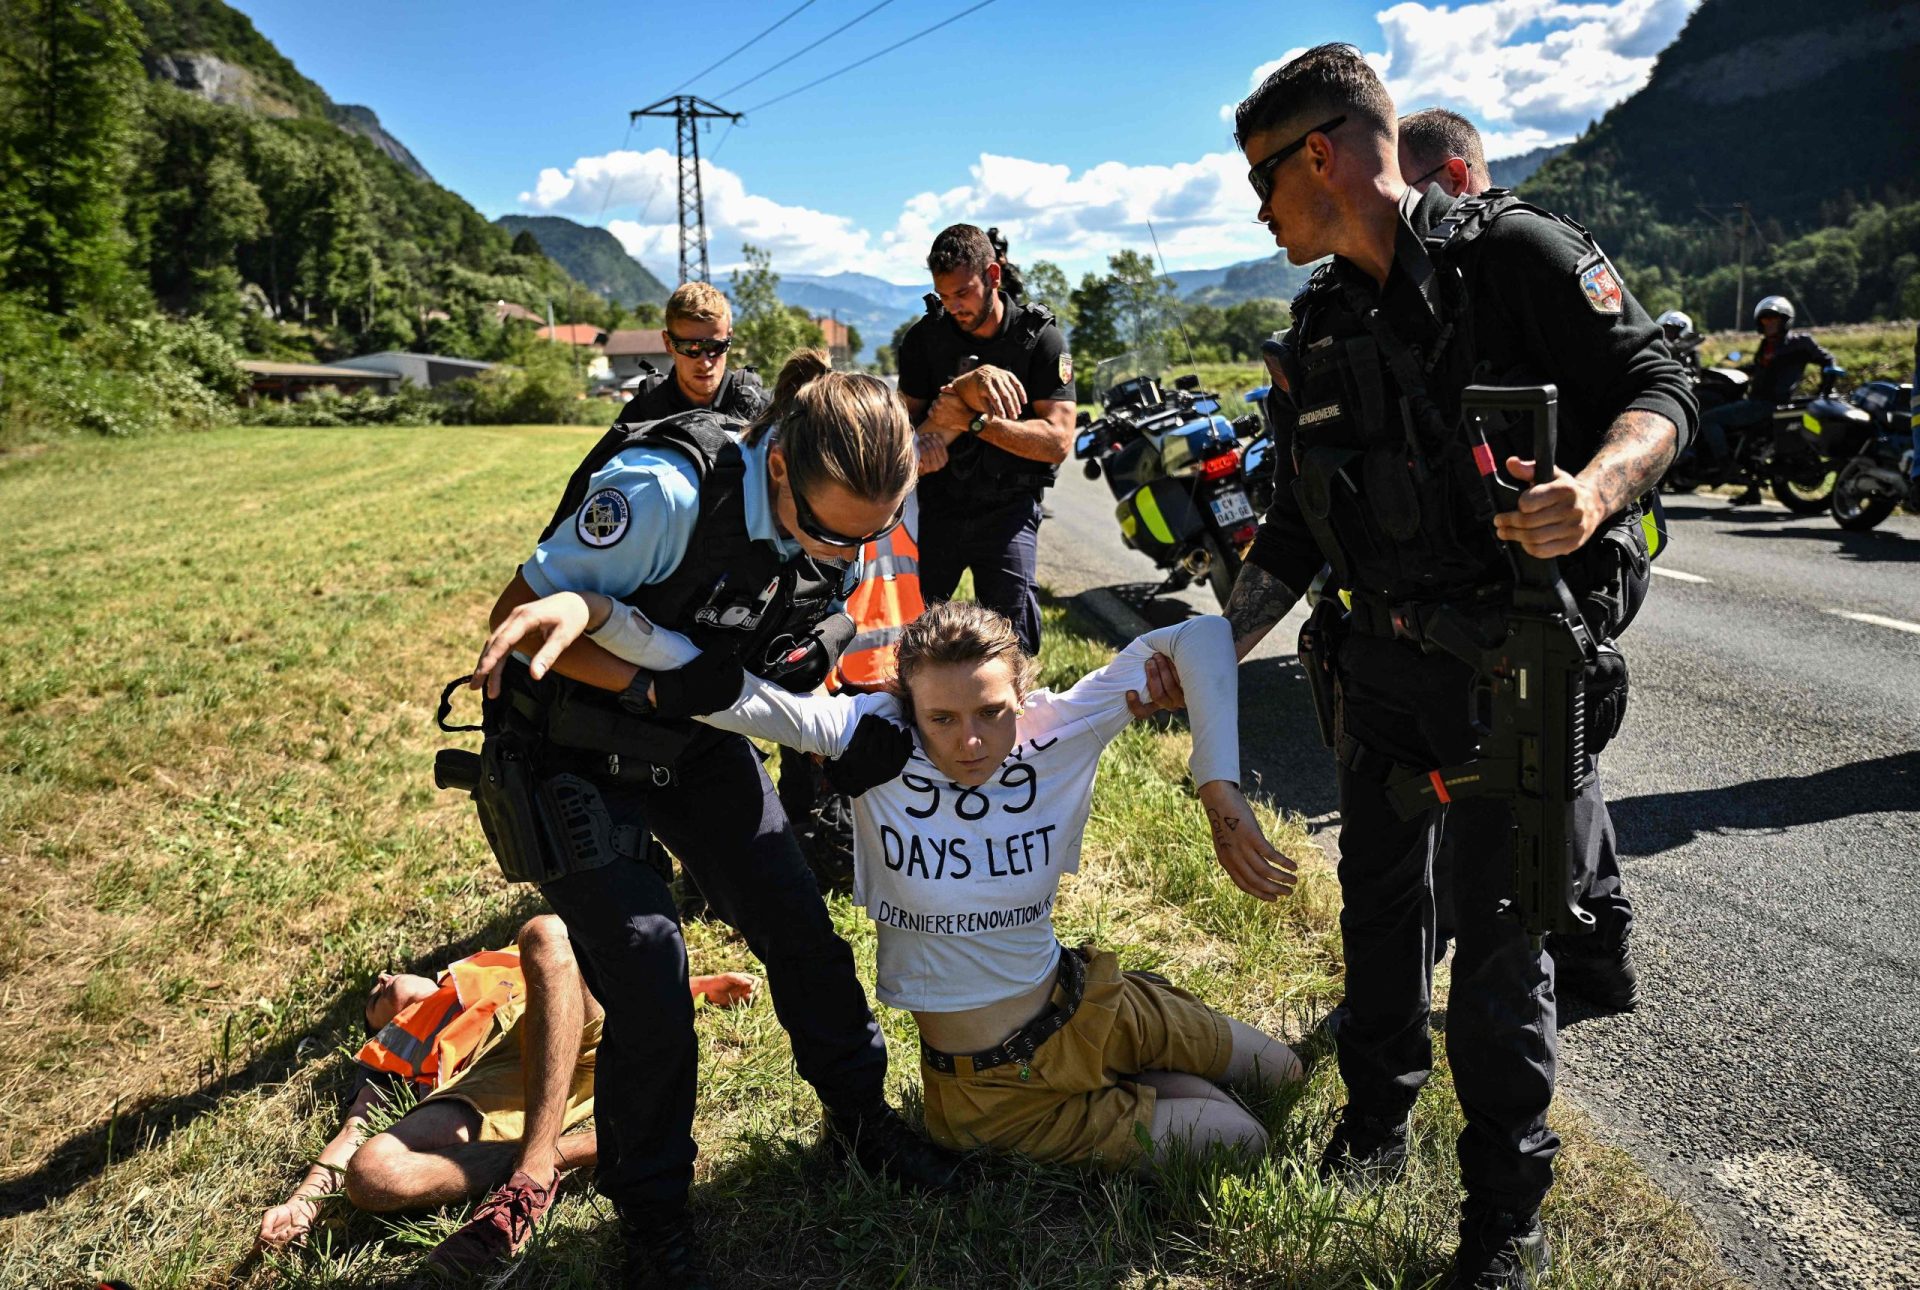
<point>840,428</point>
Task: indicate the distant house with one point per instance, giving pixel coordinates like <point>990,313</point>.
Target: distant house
<point>833,334</point>
<point>424,370</point>
<point>582,334</point>
<point>635,351</point>
<point>270,380</point>
<point>507,311</point>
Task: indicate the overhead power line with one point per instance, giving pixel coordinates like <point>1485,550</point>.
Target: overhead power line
<point>744,48</point>
<point>797,53</point>
<point>926,31</point>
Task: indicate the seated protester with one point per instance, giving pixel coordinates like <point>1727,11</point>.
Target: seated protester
<point>501,1054</point>
<point>959,845</point>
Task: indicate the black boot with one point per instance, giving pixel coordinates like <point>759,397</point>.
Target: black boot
<point>1749,498</point>
<point>1599,968</point>
<point>1365,1152</point>
<point>663,1253</point>
<point>1499,1250</point>
<point>886,1147</point>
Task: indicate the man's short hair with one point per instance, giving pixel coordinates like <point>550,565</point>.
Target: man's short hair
<point>1434,136</point>
<point>1324,82</point>
<point>960,246</point>
<point>698,302</point>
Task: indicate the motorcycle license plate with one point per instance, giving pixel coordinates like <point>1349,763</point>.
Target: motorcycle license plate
<point>1230,507</point>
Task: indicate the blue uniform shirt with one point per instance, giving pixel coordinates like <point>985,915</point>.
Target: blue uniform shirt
<point>638,517</point>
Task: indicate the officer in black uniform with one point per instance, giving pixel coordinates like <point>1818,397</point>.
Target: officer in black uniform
<point>1425,295</point>
<point>698,329</point>
<point>738,542</point>
<point>990,384</point>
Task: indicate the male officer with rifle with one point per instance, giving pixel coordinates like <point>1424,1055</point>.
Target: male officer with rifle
<point>1464,603</point>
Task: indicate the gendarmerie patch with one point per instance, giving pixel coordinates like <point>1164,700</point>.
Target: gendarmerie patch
<point>604,518</point>
<point>1601,288</point>
<point>1066,368</point>
<point>1323,412</point>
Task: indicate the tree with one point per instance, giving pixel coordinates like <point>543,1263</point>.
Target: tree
<point>69,81</point>
<point>855,342</point>
<point>525,243</point>
<point>1096,331</point>
<point>767,329</point>
<point>1047,285</point>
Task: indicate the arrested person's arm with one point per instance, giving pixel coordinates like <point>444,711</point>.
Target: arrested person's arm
<point>289,1222</point>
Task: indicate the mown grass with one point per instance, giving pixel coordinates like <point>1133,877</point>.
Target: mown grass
<point>216,822</point>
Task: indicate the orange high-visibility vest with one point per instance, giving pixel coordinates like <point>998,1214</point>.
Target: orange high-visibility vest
<point>887,599</point>
<point>429,1041</point>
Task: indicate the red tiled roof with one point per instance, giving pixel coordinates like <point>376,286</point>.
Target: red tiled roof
<point>573,334</point>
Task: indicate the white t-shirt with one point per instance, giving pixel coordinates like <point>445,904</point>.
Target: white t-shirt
<point>962,880</point>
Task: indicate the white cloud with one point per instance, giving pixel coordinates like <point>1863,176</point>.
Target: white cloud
<point>1527,72</point>
<point>801,240</point>
<point>1201,210</point>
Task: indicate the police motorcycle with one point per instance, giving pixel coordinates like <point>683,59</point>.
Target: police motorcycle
<point>1870,442</point>
<point>1257,460</point>
<point>1772,454</point>
<point>1176,471</point>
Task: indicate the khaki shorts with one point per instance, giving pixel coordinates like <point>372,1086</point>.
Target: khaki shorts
<point>1079,1104</point>
<point>491,1084</point>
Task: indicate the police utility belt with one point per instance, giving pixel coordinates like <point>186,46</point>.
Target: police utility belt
<point>549,745</point>
<point>1071,984</point>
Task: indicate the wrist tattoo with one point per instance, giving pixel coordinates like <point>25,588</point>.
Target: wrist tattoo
<point>1259,600</point>
<point>1635,451</point>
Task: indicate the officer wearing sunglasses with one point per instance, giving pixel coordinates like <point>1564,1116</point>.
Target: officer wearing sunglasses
<point>1421,296</point>
<point>737,536</point>
<point>699,334</point>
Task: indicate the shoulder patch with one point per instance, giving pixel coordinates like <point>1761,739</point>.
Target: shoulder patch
<point>1601,288</point>
<point>604,518</point>
<point>1066,367</point>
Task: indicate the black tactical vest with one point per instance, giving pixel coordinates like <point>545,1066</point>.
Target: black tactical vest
<point>1388,483</point>
<point>977,472</point>
<point>730,592</point>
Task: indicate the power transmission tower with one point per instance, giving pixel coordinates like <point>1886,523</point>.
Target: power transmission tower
<point>688,111</point>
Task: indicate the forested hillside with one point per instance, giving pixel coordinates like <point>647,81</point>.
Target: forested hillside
<point>593,256</point>
<point>1804,114</point>
<point>175,192</point>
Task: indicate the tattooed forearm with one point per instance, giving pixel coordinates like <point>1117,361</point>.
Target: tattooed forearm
<point>1636,450</point>
<point>1259,600</point>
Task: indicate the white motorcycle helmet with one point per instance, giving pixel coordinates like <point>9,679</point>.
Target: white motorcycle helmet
<point>1675,324</point>
<point>1773,305</point>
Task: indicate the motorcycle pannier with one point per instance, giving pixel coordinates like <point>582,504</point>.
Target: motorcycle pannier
<point>1158,518</point>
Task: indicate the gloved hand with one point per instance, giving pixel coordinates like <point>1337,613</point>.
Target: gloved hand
<point>708,684</point>
<point>803,668</point>
<point>878,753</point>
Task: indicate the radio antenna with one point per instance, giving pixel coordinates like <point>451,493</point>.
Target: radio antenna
<point>1177,316</point>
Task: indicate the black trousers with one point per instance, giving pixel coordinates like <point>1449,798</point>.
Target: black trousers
<point>722,818</point>
<point>1000,543</point>
<point>1501,1039</point>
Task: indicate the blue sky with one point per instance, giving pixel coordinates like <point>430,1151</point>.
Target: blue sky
<point>1068,124</point>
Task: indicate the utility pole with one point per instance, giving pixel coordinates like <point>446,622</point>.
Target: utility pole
<point>688,111</point>
<point>1740,281</point>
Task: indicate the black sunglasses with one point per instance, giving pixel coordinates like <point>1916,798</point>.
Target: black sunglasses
<point>827,537</point>
<point>1260,174</point>
<point>700,348</point>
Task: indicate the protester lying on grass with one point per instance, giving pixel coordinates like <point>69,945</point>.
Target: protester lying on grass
<point>958,851</point>
<point>500,1051</point>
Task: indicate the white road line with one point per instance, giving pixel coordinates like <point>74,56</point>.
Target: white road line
<point>1678,576</point>
<point>1899,625</point>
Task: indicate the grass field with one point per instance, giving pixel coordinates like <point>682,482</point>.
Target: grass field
<point>217,821</point>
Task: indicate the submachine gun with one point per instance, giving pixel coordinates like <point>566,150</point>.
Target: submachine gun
<point>1529,694</point>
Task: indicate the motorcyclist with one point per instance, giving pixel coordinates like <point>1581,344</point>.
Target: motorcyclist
<point>1779,362</point>
<point>1682,339</point>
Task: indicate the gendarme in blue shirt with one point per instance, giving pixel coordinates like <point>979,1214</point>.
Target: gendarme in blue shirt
<point>638,517</point>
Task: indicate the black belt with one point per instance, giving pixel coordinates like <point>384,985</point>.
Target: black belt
<point>1024,1042</point>
<point>1411,620</point>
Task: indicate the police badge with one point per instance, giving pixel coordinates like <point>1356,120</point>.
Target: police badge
<point>1066,368</point>
<point>1602,289</point>
<point>603,518</point>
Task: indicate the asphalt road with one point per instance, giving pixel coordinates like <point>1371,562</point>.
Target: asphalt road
<point>1766,791</point>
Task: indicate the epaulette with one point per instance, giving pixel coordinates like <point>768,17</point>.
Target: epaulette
<point>1034,319</point>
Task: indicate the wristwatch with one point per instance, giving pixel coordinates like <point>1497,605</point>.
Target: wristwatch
<point>978,424</point>
<point>634,699</point>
